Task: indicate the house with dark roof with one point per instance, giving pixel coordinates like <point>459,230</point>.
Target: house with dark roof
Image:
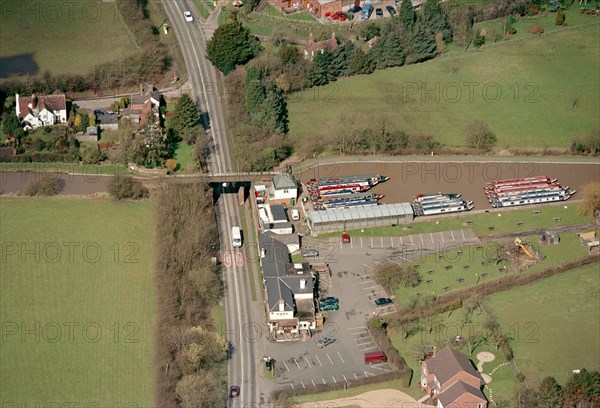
<point>283,189</point>
<point>143,105</point>
<point>107,120</point>
<point>289,291</point>
<point>312,47</point>
<point>41,110</point>
<point>450,378</point>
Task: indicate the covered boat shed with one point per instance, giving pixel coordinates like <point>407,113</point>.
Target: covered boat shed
<point>343,219</point>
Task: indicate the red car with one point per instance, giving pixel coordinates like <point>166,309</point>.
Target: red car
<point>339,15</point>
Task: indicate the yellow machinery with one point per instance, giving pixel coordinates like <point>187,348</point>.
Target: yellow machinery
<point>520,244</point>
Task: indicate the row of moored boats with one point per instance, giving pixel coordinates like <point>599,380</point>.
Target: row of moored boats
<point>524,191</point>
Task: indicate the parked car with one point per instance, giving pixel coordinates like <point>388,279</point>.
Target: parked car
<point>310,253</point>
<point>367,10</point>
<point>333,306</point>
<point>391,10</point>
<point>338,15</point>
<point>188,16</point>
<point>295,214</point>
<point>379,12</point>
<point>356,9</point>
<point>234,391</point>
<point>329,300</point>
<point>383,301</point>
<point>325,341</point>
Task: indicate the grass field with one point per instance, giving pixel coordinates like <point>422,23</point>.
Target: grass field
<point>481,223</point>
<point>89,310</point>
<point>467,265</point>
<point>83,34</point>
<point>529,315</point>
<point>524,91</point>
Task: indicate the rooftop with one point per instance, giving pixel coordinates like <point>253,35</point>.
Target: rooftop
<point>447,363</point>
<point>284,181</point>
<point>358,213</point>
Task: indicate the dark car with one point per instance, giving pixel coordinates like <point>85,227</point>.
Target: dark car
<point>391,10</point>
<point>234,391</point>
<point>356,9</point>
<point>378,12</point>
<point>383,301</point>
<point>332,306</point>
<point>310,253</point>
<point>325,341</point>
<point>329,300</point>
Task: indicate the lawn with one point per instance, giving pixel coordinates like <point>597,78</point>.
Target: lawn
<point>183,155</point>
<point>62,38</point>
<point>523,90</point>
<point>555,323</point>
<point>201,6</point>
<point>77,290</point>
<point>468,264</point>
<point>481,223</point>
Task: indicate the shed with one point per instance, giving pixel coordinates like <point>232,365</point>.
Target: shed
<point>549,238</point>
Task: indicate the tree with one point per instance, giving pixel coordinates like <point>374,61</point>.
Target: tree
<point>90,153</point>
<point>583,389</point>
<point>126,187</point>
<point>341,59</point>
<point>78,122</point>
<point>370,30</point>
<point>436,19</point>
<point>560,17</point>
<point>231,45</point>
<point>550,394</point>
<point>590,204</point>
<point>92,119</point>
<point>479,40</point>
<point>276,109</point>
<point>10,124</point>
<point>289,54</point>
<point>200,390</point>
<point>47,185</point>
<point>387,52</point>
<point>319,73</point>
<point>359,63</point>
<point>420,44</point>
<point>147,146</point>
<point>186,115</point>
<point>407,15</point>
<point>480,136</point>
<point>525,398</point>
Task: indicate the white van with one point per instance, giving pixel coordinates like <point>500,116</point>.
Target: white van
<point>236,237</point>
<point>295,214</point>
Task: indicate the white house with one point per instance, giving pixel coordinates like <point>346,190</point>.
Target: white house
<point>283,189</point>
<point>43,110</point>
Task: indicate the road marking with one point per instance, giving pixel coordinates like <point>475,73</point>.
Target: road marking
<point>361,245</point>
<point>365,331</point>
<point>307,362</point>
<point>319,361</point>
<point>351,243</point>
<point>292,386</point>
<point>323,379</point>
<point>382,242</point>
<point>382,369</point>
<point>355,377</point>
<point>463,234</point>
<point>329,359</point>
<point>361,344</point>
<point>334,380</point>
<point>345,379</point>
<point>301,382</point>
<point>392,239</point>
<point>372,242</point>
<point>367,373</point>
<point>371,287</point>
<point>367,281</point>
<point>298,365</point>
<point>313,382</point>
<point>452,233</point>
<point>369,348</point>
<point>370,267</point>
<point>286,366</point>
<point>442,235</point>
<point>341,357</point>
<point>357,327</point>
<point>421,236</point>
<point>411,241</point>
<point>431,236</point>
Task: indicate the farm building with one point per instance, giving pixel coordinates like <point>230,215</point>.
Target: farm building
<point>341,219</point>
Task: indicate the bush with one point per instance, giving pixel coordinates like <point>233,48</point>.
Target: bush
<point>537,29</point>
<point>45,186</point>
<point>126,187</point>
<point>479,40</point>
<point>560,17</point>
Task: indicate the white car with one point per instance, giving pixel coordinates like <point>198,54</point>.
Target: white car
<point>188,16</point>
<point>295,214</point>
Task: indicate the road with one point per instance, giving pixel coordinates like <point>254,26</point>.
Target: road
<point>203,82</point>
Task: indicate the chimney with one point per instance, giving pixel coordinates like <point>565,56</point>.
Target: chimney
<point>302,283</point>
<point>281,305</point>
<point>433,351</point>
<point>34,101</point>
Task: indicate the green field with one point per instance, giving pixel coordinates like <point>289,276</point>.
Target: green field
<point>89,309</point>
<point>529,315</point>
<point>481,223</point>
<point>82,35</point>
<point>523,90</point>
<point>183,155</point>
<point>467,265</point>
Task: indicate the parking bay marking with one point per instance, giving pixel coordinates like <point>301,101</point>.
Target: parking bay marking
<point>329,359</point>
<point>323,379</point>
<point>334,380</point>
<point>319,360</point>
<point>286,366</point>
<point>307,362</point>
<point>367,374</point>
<point>382,369</point>
<point>345,378</point>
<point>298,365</point>
<point>313,382</point>
<point>341,357</point>
<point>303,386</point>
<point>355,377</point>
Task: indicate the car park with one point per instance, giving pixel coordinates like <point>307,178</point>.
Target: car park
<point>391,10</point>
<point>379,12</point>
<point>310,253</point>
<point>325,341</point>
<point>188,16</point>
<point>327,307</point>
<point>383,301</point>
<point>234,391</point>
<point>329,300</point>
